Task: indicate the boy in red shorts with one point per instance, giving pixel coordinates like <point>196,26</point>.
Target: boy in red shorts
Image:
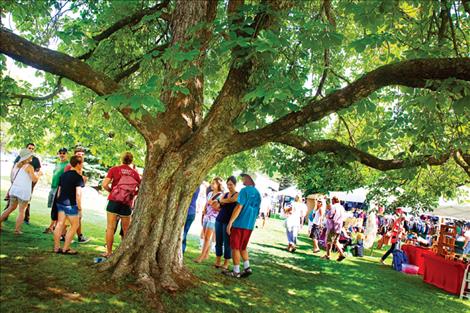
<point>241,225</point>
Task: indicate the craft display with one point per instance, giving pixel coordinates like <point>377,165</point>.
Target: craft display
<point>446,242</point>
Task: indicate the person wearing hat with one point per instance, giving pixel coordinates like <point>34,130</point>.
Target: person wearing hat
<point>22,178</point>
<point>37,167</point>
<point>241,225</point>
<point>58,170</point>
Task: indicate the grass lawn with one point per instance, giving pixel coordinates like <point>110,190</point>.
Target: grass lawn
<point>35,280</point>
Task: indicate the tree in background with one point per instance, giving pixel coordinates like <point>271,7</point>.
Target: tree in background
<point>189,83</point>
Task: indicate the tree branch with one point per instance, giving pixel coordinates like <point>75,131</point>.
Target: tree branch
<point>333,146</point>
<point>126,21</point>
<point>412,73</point>
<point>136,66</point>
<point>461,159</point>
<point>351,138</point>
<point>58,89</point>
<point>64,65</point>
<point>228,105</point>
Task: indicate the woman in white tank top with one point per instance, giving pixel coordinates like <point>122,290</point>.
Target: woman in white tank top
<point>22,178</point>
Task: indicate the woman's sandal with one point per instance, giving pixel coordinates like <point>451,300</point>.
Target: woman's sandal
<point>217,266</point>
<point>18,232</point>
<point>105,255</point>
<point>58,251</point>
<point>69,251</point>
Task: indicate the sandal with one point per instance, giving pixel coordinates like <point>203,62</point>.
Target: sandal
<point>105,255</point>
<point>58,251</point>
<point>69,251</point>
<point>316,251</point>
<point>18,232</point>
<point>325,257</point>
<point>217,266</point>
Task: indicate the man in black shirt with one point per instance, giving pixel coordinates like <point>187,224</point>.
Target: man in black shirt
<point>37,167</point>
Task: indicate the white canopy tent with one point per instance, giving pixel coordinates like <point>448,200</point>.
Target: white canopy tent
<point>356,195</point>
<point>291,191</point>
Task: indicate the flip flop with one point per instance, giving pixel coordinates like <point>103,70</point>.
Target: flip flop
<point>70,252</point>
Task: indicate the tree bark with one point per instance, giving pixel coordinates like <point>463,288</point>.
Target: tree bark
<point>333,146</point>
<point>151,251</point>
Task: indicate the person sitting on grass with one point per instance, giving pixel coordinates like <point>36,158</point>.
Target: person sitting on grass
<point>23,177</point>
<point>69,204</point>
<point>122,183</point>
<point>241,226</point>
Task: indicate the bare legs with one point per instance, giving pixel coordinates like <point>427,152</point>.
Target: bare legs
<point>208,232</point>
<point>236,254</point>
<point>21,211</point>
<point>74,221</point>
<point>110,230</point>
<point>316,248</point>
<point>335,242</point>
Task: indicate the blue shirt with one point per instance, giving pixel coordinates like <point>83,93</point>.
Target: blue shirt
<point>192,206</point>
<point>250,200</point>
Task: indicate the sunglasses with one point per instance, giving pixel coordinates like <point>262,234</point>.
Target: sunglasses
<point>62,153</point>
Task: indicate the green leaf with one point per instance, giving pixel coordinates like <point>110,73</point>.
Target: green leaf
<point>461,105</point>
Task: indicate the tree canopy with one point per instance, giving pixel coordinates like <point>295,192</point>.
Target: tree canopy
<point>371,92</point>
<point>317,49</point>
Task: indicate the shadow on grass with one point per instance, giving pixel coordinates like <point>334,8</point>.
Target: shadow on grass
<point>302,282</point>
<point>33,278</point>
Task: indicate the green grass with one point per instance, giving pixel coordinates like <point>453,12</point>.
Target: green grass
<point>35,280</point>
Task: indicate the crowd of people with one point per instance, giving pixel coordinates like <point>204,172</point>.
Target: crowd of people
<point>65,196</point>
<point>228,216</point>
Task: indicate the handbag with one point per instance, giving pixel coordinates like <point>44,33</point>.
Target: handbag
<point>7,196</point>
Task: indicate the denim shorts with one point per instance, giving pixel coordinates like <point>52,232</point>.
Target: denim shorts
<point>69,210</point>
<point>209,223</point>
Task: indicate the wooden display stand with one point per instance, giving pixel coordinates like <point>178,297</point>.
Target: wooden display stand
<point>446,242</point>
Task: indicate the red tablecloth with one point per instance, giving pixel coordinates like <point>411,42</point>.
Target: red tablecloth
<point>442,273</point>
<point>416,256</point>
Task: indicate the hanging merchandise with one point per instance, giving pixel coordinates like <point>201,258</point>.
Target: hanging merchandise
<point>371,231</point>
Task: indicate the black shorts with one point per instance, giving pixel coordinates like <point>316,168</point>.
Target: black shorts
<point>54,211</point>
<point>315,233</point>
<point>118,208</point>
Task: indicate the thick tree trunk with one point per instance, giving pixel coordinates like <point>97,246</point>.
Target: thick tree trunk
<point>151,251</point>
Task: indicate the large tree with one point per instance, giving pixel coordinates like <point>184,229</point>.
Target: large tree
<point>203,80</point>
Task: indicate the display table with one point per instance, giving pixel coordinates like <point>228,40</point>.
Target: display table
<point>416,256</point>
<point>442,273</point>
